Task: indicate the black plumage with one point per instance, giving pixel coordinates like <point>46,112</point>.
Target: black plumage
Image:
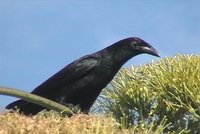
<point>80,82</point>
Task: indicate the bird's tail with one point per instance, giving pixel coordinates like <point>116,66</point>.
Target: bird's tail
<point>24,107</point>
<point>15,104</point>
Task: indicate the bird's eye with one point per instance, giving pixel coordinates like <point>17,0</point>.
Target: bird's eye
<point>134,43</point>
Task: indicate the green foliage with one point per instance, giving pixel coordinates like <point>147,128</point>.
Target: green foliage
<point>165,93</point>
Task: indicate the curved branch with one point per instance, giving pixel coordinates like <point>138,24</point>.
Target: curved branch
<point>36,100</point>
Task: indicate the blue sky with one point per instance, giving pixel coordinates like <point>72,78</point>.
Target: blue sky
<point>38,38</point>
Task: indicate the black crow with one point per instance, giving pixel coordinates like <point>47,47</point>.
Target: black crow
<point>80,83</point>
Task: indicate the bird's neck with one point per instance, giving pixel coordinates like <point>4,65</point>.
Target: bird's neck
<point>117,56</point>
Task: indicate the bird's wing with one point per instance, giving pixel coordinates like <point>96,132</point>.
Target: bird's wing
<point>74,71</point>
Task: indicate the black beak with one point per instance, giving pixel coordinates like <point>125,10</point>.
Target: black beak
<point>150,50</point>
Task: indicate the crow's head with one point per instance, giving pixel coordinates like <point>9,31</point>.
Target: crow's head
<point>141,46</point>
